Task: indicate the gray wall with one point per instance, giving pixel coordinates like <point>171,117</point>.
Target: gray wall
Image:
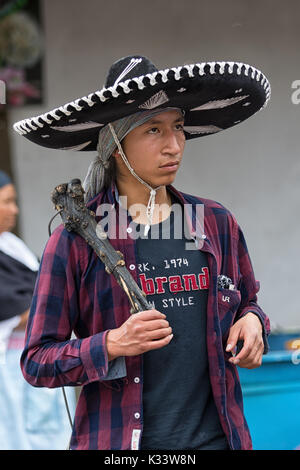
<point>253,169</point>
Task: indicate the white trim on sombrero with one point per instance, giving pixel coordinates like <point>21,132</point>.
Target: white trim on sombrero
<point>77,127</point>
<point>156,100</point>
<point>218,104</point>
<point>28,125</point>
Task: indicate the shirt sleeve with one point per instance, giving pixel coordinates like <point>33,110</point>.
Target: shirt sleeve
<point>249,287</point>
<point>51,357</point>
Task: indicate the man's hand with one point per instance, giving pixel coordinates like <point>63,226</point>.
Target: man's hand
<point>142,332</point>
<point>249,330</point>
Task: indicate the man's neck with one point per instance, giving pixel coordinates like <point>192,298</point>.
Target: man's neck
<point>137,197</point>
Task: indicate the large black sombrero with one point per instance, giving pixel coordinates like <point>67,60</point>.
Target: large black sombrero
<point>214,95</point>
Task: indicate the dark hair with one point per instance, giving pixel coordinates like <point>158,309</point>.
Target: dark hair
<point>110,173</point>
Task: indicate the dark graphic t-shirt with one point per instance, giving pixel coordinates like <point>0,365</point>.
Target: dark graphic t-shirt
<point>178,408</point>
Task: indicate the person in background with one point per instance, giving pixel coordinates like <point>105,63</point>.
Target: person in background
<point>30,419</point>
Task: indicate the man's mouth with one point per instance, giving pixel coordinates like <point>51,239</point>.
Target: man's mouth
<point>172,164</point>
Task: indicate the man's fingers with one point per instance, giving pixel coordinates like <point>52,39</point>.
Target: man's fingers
<point>232,339</point>
<point>249,330</point>
<point>156,324</point>
<point>148,315</point>
<point>245,352</point>
<point>250,355</point>
<point>160,333</point>
<point>160,343</point>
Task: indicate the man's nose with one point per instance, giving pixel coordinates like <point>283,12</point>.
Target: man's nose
<point>172,144</point>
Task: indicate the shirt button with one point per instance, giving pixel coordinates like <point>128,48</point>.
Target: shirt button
<point>129,230</point>
<point>137,415</point>
<point>132,267</point>
<point>137,380</point>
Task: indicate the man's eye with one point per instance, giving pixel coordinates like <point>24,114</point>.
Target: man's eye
<point>179,127</point>
<point>153,130</point>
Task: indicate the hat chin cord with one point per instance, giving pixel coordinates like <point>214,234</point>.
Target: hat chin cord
<point>151,201</point>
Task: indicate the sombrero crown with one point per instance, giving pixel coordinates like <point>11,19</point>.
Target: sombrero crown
<point>214,96</point>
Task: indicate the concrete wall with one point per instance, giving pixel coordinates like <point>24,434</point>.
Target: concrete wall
<point>253,169</point>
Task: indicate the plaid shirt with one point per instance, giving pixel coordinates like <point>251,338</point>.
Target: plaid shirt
<point>74,293</point>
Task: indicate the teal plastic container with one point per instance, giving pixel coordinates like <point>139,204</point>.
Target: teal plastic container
<point>272,397</point>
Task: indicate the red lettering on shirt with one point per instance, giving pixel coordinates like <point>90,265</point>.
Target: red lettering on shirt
<point>175,284</point>
<point>178,283</point>
<point>160,281</point>
<point>204,279</point>
<point>190,282</point>
<point>147,285</point>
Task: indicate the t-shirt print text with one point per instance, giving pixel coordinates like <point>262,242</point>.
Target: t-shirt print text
<point>176,280</point>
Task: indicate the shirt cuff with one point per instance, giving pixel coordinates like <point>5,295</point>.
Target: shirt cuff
<point>93,354</point>
<point>116,369</point>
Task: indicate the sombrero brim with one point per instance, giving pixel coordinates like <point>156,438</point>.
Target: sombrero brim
<point>214,95</point>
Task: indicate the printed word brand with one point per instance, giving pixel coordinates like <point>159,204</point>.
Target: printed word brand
<point>178,283</point>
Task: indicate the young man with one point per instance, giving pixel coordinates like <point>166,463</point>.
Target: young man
<point>164,378</point>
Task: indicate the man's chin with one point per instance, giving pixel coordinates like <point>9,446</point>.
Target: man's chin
<point>166,180</point>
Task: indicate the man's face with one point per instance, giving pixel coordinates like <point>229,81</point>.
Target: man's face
<point>155,149</point>
<point>8,208</point>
